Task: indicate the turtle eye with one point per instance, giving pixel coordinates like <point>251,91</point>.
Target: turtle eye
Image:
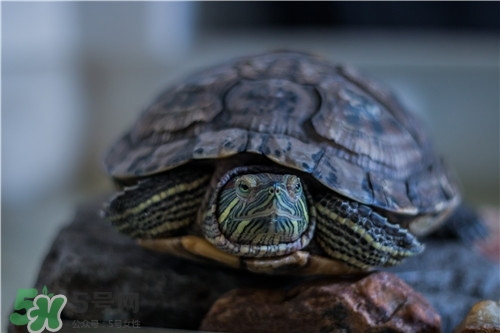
<point>294,185</point>
<point>243,188</point>
<point>244,185</point>
<point>298,187</point>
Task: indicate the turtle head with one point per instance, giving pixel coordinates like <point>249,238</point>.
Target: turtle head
<point>263,209</point>
<point>263,214</point>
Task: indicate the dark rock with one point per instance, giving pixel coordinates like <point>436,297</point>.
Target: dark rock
<point>484,317</point>
<point>378,302</point>
<point>452,276</point>
<point>89,256</point>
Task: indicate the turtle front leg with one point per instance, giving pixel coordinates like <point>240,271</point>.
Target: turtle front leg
<point>357,235</point>
<point>159,206</point>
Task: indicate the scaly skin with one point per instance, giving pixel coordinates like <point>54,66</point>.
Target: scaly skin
<point>260,214</point>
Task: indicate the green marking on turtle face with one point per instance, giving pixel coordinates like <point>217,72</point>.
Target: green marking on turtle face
<point>255,212</point>
<point>263,209</point>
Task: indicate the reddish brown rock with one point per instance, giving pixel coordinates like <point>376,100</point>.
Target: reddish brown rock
<point>379,302</point>
<point>89,256</point>
<point>484,317</point>
<point>490,246</point>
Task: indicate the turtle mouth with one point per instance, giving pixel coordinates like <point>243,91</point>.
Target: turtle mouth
<point>266,230</point>
<point>275,217</point>
<point>268,227</point>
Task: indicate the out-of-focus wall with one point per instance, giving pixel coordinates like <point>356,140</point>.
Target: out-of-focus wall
<point>75,75</point>
<point>68,69</point>
<point>126,62</point>
<point>43,113</point>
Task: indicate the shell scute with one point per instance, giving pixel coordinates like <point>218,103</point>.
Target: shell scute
<point>391,193</point>
<point>220,144</point>
<point>353,119</point>
<point>432,189</point>
<point>346,178</point>
<point>283,104</point>
<point>348,132</point>
<point>293,153</point>
<point>292,66</point>
<point>167,156</point>
<point>197,101</point>
<point>386,97</point>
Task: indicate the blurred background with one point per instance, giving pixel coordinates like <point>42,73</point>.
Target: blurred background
<point>76,75</point>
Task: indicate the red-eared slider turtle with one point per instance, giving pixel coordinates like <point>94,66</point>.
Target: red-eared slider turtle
<point>276,163</point>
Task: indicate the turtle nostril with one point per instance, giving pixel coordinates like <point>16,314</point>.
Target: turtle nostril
<point>275,189</point>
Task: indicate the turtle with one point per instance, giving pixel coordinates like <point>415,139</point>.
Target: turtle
<point>277,163</point>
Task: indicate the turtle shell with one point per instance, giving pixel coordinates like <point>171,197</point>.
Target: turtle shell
<point>300,111</point>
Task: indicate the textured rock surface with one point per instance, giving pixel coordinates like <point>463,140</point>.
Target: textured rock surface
<point>484,317</point>
<point>490,247</point>
<point>454,277</point>
<point>88,256</point>
<point>379,302</point>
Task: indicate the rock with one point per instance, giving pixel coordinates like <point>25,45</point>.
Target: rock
<point>96,267</point>
<point>379,302</point>
<point>490,246</point>
<point>89,256</point>
<point>484,317</point>
<point>452,276</point>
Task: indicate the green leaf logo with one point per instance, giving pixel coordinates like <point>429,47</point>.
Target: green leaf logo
<point>46,313</point>
<point>41,312</point>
